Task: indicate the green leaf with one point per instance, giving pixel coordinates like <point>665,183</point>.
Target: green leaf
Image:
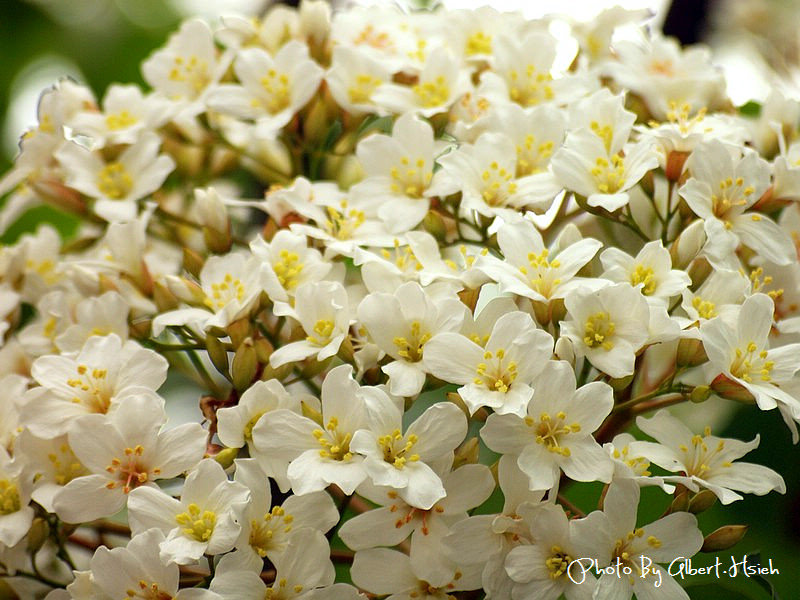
<point>66,224</point>
<point>333,134</point>
<point>750,109</point>
<point>715,591</point>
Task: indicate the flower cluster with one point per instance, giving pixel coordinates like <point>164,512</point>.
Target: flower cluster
<point>416,264</point>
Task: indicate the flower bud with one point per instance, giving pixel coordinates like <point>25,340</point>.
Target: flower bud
<point>466,453</point>
<point>434,224</point>
<point>226,456</point>
<point>680,503</point>
<point>192,262</point>
<point>7,592</point>
<point>687,245</point>
<point>164,298</point>
<point>565,351</point>
<point>245,365</point>
<point>239,330</point>
<point>690,353</point>
<point>315,20</point>
<point>217,353</point>
<point>723,538</point>
<point>310,412</point>
<point>349,172</point>
<point>700,394</point>
<point>702,501</point>
<point>37,535</point>
<point>263,350</point>
<point>675,162</point>
<point>185,290</point>
<point>731,390</point>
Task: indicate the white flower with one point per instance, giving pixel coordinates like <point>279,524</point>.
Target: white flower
<point>705,460</point>
<point>117,185</point>
<point>587,166</point>
<point>608,326</point>
<point>319,453</point>
<point>440,82</point>
<point>267,530</point>
<point>232,285</point>
<point>719,295</point>
<point>720,190</point>
<point>15,495</point>
<point>398,170</point>
<point>126,115</point>
<point>103,373</point>
<point>555,435</point>
<point>235,424</point>
<point>617,540</point>
<point>651,269</point>
<point>124,451</point>
<point>740,352</point>
<point>205,520</point>
<point>301,571</point>
<point>401,324</point>
<point>272,90</point>
<point>353,78</point>
<point>499,372</point>
<point>100,315</point>
<point>532,270</point>
<point>322,310</point>
<point>144,574</point>
<point>401,460</point>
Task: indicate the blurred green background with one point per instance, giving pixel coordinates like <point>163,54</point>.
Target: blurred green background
<point>102,41</point>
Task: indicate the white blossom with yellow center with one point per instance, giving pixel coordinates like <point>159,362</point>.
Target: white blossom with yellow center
<point>705,461</point>
<point>205,519</point>
<point>498,374</point>
<point>555,433</point>
<point>15,494</point>
<point>402,460</point>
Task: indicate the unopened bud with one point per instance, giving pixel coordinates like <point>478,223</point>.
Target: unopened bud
<point>699,271</point>
<point>164,298</point>
<point>263,350</point>
<point>469,297</point>
<point>7,592</point>
<point>279,373</point>
<point>723,538</point>
<point>349,172</point>
<point>346,351</point>
<point>226,456</point>
<point>239,330</point>
<point>185,290</point>
<point>675,162</point>
<point>565,351</point>
<point>700,394</point>
<point>731,390</point>
<point>315,367</point>
<point>456,399</point>
<point>688,244</point>
<point>680,503</point>
<point>311,412</point>
<point>690,353</point>
<point>315,20</point>
<point>466,453</point>
<point>434,224</point>
<point>620,383</point>
<point>217,353</point>
<point>192,262</point>
<point>245,365</point>
<point>702,501</point>
<point>37,535</point>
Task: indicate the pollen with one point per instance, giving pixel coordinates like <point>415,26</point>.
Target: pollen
<point>223,292</point>
<point>363,85</point>
<point>598,331</point>
<point>197,524</point>
<point>321,334</point>
<point>705,308</point>
<point>114,181</point>
<point>276,86</point>
<point>478,43</point>
<point>558,562</point>
<point>432,93</point>
<point>288,268</point>
<point>9,497</point>
<point>645,276</point>
<point>410,347</point>
<point>551,431</point>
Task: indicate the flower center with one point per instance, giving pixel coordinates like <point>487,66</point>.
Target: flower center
<point>729,196</point>
<point>410,180</point>
<point>644,275</point>
<point>531,157</point>
<point>193,72</point>
<point>609,175</point>
<point>498,185</point>
<point>267,534</point>
<point>531,88</point>
<point>65,465</point>
<point>248,428</point>
<point>276,85</point>
<point>288,268</point>
<point>121,120</point>
<point>494,375</point>
<point>478,43</point>
<point>550,431</point>
<point>363,86</point>
<point>9,497</point>
<point>404,258</point>
<point>321,335</point>
<point>114,181</point>
<point>91,389</point>
<point>432,93</point>
<point>395,451</point>
<point>342,224</point>
<point>638,464</point>
<point>130,472</point>
<point>697,459</point>
<point>278,591</point>
<point>752,361</point>
<point>196,524</point>
<point>335,444</point>
<point>598,331</point>
<point>147,591</point>
<point>604,132</point>
<point>558,563</point>
<point>410,348</point>
<point>705,308</point>
<point>224,292</point>
<point>540,272</point>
